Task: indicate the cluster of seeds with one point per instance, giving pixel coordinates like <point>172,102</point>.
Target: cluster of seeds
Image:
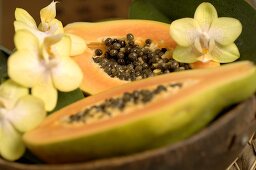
<point>126,60</point>
<point>105,109</point>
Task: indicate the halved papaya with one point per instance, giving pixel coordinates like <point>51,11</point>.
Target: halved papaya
<point>95,79</point>
<point>141,115</point>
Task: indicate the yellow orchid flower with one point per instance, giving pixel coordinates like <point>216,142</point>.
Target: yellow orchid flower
<point>19,112</point>
<point>45,68</point>
<point>49,26</point>
<point>206,37</point>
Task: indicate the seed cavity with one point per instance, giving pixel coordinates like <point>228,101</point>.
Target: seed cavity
<point>112,107</point>
<point>126,60</point>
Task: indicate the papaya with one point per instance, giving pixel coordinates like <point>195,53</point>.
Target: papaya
<point>141,115</point>
<point>133,43</point>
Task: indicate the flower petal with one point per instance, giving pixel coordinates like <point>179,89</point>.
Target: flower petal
<point>47,46</point>
<point>197,45</point>
<point>24,39</point>
<point>1,131</point>
<point>28,112</point>
<point>46,92</point>
<point>10,92</point>
<point>225,54</point>
<point>21,26</point>
<point>53,27</point>
<point>48,13</point>
<point>11,144</point>
<point>18,25</point>
<point>67,75</point>
<point>61,49</point>
<point>77,44</point>
<point>185,54</point>
<point>23,16</point>
<point>25,68</point>
<point>205,14</point>
<point>56,47</point>
<point>184,31</point>
<point>225,30</point>
<point>56,27</point>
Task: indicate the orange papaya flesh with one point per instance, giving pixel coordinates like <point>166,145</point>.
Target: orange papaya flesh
<point>94,32</point>
<point>169,117</point>
<point>95,79</point>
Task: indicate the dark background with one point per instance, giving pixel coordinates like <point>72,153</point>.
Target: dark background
<point>67,11</point>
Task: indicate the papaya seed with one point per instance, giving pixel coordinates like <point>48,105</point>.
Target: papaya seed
<point>130,37</point>
<point>97,59</point>
<point>121,61</point>
<point>176,85</point>
<point>108,41</point>
<point>98,52</point>
<point>113,52</point>
<point>116,46</point>
<point>120,55</point>
<point>148,41</point>
<point>131,43</point>
<point>122,43</point>
<point>133,56</point>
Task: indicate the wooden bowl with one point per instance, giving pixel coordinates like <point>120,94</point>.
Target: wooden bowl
<point>213,148</point>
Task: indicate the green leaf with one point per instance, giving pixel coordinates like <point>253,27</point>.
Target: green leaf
<point>145,10</point>
<point>4,54</point>
<point>67,98</point>
<point>175,9</point>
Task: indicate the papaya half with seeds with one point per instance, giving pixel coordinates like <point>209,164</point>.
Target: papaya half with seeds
<point>95,79</point>
<point>141,115</point>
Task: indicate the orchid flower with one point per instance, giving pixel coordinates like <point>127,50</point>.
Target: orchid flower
<point>49,26</point>
<point>19,112</point>
<point>45,68</point>
<point>205,37</point>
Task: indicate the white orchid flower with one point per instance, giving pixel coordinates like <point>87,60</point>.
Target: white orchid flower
<point>206,37</point>
<point>49,26</point>
<point>44,67</point>
<point>19,113</point>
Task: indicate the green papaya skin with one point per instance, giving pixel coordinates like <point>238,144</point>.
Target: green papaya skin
<point>168,123</point>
